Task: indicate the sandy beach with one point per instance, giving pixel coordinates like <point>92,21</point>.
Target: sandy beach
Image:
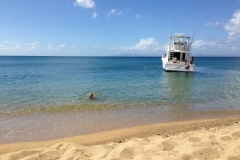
<point>187,140</point>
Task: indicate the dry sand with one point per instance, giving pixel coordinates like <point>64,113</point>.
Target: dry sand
<point>190,140</point>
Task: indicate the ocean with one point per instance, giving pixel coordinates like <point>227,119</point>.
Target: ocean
<point>44,98</point>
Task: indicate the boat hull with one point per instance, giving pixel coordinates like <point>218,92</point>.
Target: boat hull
<point>177,67</point>
<point>175,70</point>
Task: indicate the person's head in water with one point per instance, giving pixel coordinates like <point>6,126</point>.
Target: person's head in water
<point>90,95</point>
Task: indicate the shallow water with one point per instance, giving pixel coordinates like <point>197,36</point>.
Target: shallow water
<point>46,97</point>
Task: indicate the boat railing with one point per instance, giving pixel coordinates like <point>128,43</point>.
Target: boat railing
<point>179,47</point>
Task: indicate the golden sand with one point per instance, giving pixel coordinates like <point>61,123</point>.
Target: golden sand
<point>189,140</point>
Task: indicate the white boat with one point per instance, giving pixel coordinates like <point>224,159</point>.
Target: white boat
<point>177,57</point>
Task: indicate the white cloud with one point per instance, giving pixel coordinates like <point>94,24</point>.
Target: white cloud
<point>120,13</point>
<point>85,3</point>
<point>138,16</point>
<point>35,48</point>
<point>217,47</point>
<point>95,15</point>
<point>96,46</point>
<point>208,23</point>
<point>32,45</point>
<point>212,23</point>
<point>207,45</point>
<point>51,48</point>
<point>198,43</point>
<point>233,26</point>
<point>2,47</point>
<point>114,12</point>
<point>17,45</point>
<point>217,23</point>
<point>61,46</point>
<point>145,45</point>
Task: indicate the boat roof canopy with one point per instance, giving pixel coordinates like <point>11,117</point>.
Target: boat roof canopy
<point>179,37</point>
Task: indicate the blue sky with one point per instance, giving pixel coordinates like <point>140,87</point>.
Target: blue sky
<point>117,27</point>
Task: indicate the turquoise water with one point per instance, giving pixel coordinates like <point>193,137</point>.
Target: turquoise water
<point>48,95</point>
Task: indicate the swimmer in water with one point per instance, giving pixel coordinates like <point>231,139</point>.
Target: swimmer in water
<point>90,95</point>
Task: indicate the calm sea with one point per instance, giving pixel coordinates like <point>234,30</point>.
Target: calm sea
<point>46,97</point>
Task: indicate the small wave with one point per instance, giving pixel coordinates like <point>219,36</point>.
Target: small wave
<point>84,106</point>
<point>65,108</point>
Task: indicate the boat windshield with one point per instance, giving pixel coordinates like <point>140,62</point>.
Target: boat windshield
<point>184,40</point>
<point>179,43</point>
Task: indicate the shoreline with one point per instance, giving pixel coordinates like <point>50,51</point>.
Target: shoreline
<point>124,135</point>
<point>50,126</point>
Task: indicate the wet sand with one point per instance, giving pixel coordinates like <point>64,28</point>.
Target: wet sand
<point>56,125</point>
<point>197,139</point>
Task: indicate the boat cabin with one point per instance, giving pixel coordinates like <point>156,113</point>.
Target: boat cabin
<point>178,48</point>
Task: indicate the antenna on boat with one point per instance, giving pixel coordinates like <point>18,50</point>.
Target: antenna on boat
<point>169,26</point>
<point>192,24</point>
<point>195,28</point>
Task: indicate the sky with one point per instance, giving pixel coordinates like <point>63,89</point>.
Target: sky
<point>117,27</point>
